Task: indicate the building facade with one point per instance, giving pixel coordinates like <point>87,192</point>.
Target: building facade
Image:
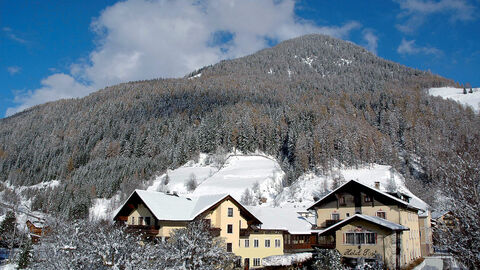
<point>158,214</point>
<point>364,237</point>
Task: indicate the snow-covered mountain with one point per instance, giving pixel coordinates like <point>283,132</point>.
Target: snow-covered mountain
<point>457,94</point>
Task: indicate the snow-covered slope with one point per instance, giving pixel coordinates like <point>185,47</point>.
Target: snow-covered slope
<point>456,94</point>
<point>241,172</point>
<point>310,186</point>
<point>238,173</point>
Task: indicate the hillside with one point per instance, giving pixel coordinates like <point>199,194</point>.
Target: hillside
<point>310,103</point>
<point>259,176</point>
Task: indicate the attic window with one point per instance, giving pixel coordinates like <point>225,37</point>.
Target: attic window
<point>382,214</point>
<point>230,212</point>
<point>367,198</point>
<point>341,200</point>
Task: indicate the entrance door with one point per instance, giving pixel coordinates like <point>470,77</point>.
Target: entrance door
<point>246,264</point>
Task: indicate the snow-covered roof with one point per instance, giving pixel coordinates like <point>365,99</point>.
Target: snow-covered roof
<point>372,219</point>
<point>177,208</point>
<point>399,201</point>
<point>438,214</point>
<point>287,259</point>
<point>286,219</point>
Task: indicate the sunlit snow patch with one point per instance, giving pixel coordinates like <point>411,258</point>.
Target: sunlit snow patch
<point>456,94</point>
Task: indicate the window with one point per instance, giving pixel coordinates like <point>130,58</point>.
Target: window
<point>147,221</point>
<point>347,214</point>
<point>382,214</point>
<point>140,221</point>
<point>247,243</point>
<point>360,238</point>
<point>368,198</point>
<point>371,238</point>
<point>341,200</point>
<point>255,243</point>
<point>133,220</point>
<point>256,261</point>
<point>277,243</point>
<point>267,243</point>
<point>229,228</point>
<point>336,216</point>
<point>238,262</point>
<point>350,238</point>
<point>230,212</point>
<point>229,247</point>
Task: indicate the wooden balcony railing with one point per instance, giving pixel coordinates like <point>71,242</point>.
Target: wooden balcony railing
<point>149,230</point>
<point>330,222</point>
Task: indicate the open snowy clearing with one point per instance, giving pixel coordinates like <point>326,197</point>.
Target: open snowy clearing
<point>456,94</point>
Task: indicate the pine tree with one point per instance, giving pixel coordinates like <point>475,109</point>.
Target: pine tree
<point>191,184</point>
<point>195,248</point>
<point>8,232</point>
<point>25,256</point>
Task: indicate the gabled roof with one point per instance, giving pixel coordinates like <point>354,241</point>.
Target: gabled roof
<point>284,219</point>
<point>176,208</point>
<point>344,187</point>
<point>371,219</point>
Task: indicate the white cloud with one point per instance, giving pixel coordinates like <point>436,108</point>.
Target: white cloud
<point>409,47</point>
<point>415,12</point>
<point>54,87</point>
<point>143,39</point>
<point>9,33</point>
<point>13,70</point>
<point>371,39</point>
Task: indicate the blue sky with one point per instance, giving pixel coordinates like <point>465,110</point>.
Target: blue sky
<point>65,49</point>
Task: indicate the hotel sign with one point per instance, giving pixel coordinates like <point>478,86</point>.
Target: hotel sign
<point>361,252</point>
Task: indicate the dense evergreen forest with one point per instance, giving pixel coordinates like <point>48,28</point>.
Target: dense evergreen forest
<point>311,102</point>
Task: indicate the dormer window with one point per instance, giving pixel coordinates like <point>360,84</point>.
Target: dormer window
<point>382,214</point>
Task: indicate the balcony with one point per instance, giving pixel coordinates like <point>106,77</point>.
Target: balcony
<point>326,241</point>
<point>299,242</point>
<point>330,222</point>
<point>144,229</point>
<point>215,232</point>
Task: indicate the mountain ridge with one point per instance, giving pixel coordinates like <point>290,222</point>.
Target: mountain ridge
<point>312,110</point>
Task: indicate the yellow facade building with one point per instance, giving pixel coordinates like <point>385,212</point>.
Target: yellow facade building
<point>368,224</point>
<point>158,214</point>
<point>363,223</point>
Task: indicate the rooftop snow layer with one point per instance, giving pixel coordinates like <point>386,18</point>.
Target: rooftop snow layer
<point>376,220</point>
<point>288,259</point>
<point>287,219</point>
<point>172,207</point>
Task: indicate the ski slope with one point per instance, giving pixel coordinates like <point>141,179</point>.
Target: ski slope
<point>456,94</point>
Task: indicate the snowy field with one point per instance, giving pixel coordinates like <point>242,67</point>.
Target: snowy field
<point>456,94</point>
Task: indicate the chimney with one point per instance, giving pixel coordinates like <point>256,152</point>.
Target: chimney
<point>377,184</point>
